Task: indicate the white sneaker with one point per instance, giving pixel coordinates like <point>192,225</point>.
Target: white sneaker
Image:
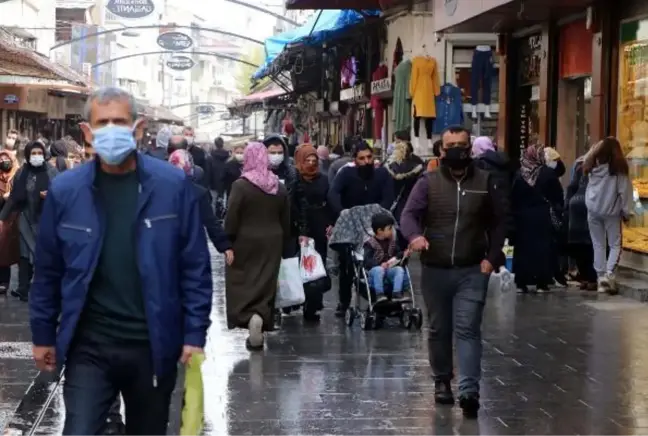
<point>255,330</point>
<point>611,279</point>
<point>603,284</point>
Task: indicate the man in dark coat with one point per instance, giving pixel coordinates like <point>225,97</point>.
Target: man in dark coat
<point>219,157</point>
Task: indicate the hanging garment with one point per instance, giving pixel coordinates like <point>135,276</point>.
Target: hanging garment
<point>398,58</point>
<point>429,126</point>
<point>481,73</point>
<point>377,104</point>
<point>348,73</point>
<point>449,108</point>
<point>424,86</point>
<point>402,102</point>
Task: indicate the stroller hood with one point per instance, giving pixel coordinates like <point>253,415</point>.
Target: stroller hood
<point>354,226</point>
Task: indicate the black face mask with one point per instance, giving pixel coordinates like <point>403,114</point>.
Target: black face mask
<point>457,158</point>
<point>5,166</point>
<point>366,171</point>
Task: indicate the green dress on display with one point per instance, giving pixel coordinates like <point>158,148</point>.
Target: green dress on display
<point>402,98</point>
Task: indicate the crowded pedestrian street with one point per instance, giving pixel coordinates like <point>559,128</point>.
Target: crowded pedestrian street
<point>564,363</point>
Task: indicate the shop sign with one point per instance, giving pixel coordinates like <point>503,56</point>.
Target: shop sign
<point>34,100</point>
<point>131,8</point>
<point>205,109</point>
<point>380,86</point>
<point>174,41</point>
<point>11,99</point>
<point>357,93</point>
<point>180,63</point>
<point>55,107</point>
<point>450,7</point>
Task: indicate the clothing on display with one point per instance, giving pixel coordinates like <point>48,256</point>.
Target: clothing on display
<point>429,126</point>
<point>402,102</point>
<point>348,73</point>
<point>481,73</point>
<point>398,58</point>
<point>377,104</point>
<point>449,108</point>
<point>424,87</point>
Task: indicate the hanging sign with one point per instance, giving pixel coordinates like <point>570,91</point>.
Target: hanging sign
<point>380,86</point>
<point>131,8</point>
<point>180,63</point>
<point>174,41</point>
<point>11,99</point>
<point>355,94</point>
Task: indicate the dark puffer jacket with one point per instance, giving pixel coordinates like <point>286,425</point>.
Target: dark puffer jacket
<point>218,159</point>
<point>576,216</point>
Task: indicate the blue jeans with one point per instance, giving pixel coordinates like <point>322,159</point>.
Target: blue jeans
<point>94,376</point>
<point>482,71</point>
<point>454,299</point>
<point>396,276</point>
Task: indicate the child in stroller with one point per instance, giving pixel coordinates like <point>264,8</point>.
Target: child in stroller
<point>383,256</point>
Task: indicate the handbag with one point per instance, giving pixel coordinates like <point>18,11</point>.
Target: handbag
<point>290,291</point>
<point>312,269</point>
<point>556,219</point>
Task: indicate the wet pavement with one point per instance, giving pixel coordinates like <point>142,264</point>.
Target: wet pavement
<point>563,363</point>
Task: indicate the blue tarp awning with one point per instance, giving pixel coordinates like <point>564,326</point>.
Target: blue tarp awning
<point>329,24</point>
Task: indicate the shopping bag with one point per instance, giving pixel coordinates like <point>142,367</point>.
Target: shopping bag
<point>501,281</point>
<point>311,265</point>
<point>290,291</point>
<point>193,405</point>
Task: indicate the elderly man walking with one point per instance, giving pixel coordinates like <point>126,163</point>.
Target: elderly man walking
<point>122,287</point>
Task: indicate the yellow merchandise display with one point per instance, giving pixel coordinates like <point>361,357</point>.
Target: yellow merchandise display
<point>632,125</point>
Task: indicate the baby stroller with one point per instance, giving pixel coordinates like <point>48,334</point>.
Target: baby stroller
<point>352,228</point>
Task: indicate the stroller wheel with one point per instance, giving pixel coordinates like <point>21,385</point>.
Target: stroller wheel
<point>349,316</point>
<point>379,322</point>
<point>416,319</point>
<point>405,319</point>
<point>367,320</point>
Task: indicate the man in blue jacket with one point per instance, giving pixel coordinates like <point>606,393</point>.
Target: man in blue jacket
<point>122,287</point>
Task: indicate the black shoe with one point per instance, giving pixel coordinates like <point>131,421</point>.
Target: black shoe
<point>19,295</point>
<point>443,393</point>
<point>470,405</point>
<point>340,311</point>
<point>114,426</point>
<point>311,317</point>
<point>287,310</point>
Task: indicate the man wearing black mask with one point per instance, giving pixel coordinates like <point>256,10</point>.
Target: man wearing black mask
<point>456,217</point>
<point>358,184</point>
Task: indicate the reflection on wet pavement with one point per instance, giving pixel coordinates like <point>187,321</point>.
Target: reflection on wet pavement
<point>565,363</point>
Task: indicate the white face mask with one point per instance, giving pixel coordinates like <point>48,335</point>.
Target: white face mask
<point>10,143</point>
<point>552,164</point>
<point>36,160</point>
<point>276,160</point>
<point>190,140</point>
<point>238,157</point>
<point>334,156</point>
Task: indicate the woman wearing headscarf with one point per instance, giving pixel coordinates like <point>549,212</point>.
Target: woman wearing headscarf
<point>553,160</point>
<point>258,240</point>
<point>9,237</point>
<point>318,215</point>
<point>59,153</point>
<point>182,159</point>
<point>405,168</point>
<point>535,193</point>
<point>27,195</point>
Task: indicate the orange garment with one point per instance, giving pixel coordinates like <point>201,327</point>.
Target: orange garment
<point>432,164</point>
<point>424,86</point>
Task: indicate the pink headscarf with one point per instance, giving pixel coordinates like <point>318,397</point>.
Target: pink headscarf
<point>183,160</point>
<point>255,168</point>
<point>481,145</point>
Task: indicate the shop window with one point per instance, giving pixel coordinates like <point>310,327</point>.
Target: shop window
<point>632,125</point>
<point>463,73</point>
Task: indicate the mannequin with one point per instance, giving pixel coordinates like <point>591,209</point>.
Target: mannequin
<point>424,87</point>
<point>481,72</point>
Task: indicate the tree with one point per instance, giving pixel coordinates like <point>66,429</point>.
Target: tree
<point>255,54</point>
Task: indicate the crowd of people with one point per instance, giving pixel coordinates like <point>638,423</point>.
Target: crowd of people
<point>113,256</point>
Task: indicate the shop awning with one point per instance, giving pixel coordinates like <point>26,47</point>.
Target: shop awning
<point>23,62</point>
<point>321,26</point>
<point>337,4</point>
<point>258,97</point>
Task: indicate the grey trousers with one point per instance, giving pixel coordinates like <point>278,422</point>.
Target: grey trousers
<point>454,299</point>
<point>605,232</point>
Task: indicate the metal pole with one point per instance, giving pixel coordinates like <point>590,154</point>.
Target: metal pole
<point>177,53</point>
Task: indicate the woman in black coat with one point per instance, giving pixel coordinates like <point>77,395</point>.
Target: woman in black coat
<point>319,217</point>
<point>405,168</point>
<point>535,191</point>
<point>578,235</point>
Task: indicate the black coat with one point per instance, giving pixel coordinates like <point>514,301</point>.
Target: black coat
<point>576,216</point>
<point>404,177</point>
<point>318,213</point>
<point>214,230</point>
<point>534,235</point>
<point>217,170</point>
<point>231,173</point>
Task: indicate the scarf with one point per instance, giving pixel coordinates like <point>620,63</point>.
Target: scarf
<point>182,159</point>
<point>6,178</point>
<point>256,168</point>
<point>308,172</point>
<point>531,163</point>
<point>19,192</point>
<point>481,145</point>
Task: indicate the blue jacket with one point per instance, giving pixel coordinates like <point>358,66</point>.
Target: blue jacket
<point>449,108</point>
<point>173,260</point>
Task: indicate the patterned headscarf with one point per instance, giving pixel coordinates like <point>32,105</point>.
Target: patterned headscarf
<point>182,159</point>
<point>256,168</point>
<point>481,145</point>
<point>302,153</point>
<point>531,163</point>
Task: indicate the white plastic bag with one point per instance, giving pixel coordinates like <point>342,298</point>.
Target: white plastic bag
<point>311,265</point>
<point>290,290</point>
<point>501,281</point>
